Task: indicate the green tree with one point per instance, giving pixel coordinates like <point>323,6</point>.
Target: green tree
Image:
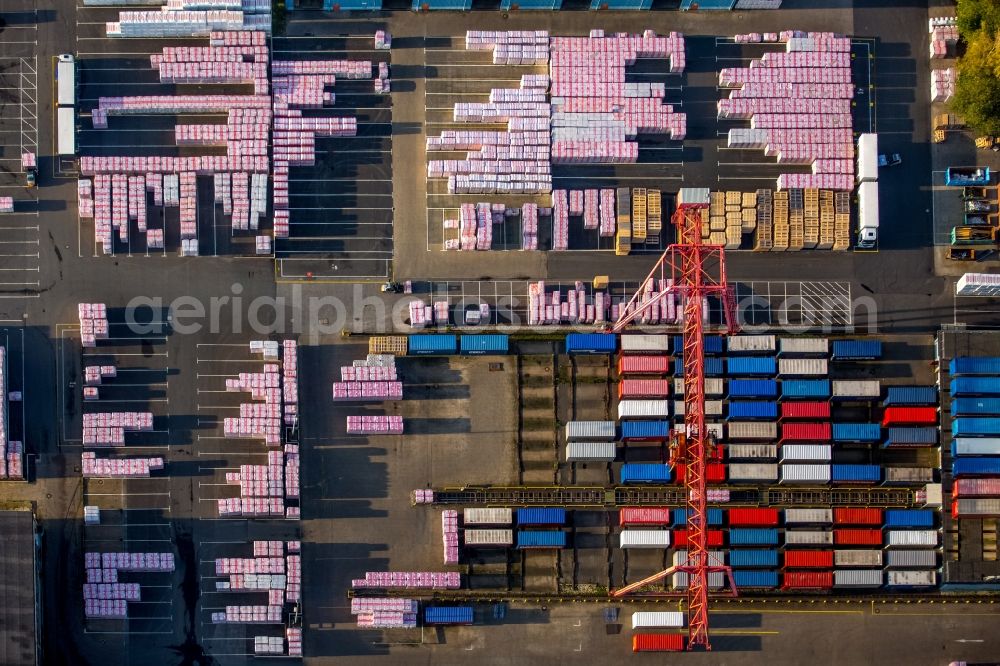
<point>977,91</point>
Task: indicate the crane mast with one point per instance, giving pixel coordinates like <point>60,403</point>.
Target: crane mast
<point>696,271</point>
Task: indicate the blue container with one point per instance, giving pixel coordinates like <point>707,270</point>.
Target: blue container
<point>975,467</point>
<point>753,410</point>
<point>753,536</point>
<point>448,615</point>
<point>434,343</point>
<point>856,350</point>
<point>531,4</point>
<point>541,516</point>
<point>591,343</point>
<point>621,4</point>
<point>442,4</point>
<point>911,395</point>
<point>541,539</point>
<point>753,388</point>
<point>352,5</point>
<point>857,432</point>
<point>484,344</point>
<point>653,430</point>
<point>856,474</point>
<point>909,518</point>
<point>714,517</point>
<point>714,367</point>
<point>974,365</point>
<point>714,344</point>
<point>751,578</point>
<point>645,473</point>
<point>911,437</point>
<point>808,389</point>
<point>961,386</point>
<point>743,366</point>
<point>975,407</point>
<point>973,427</point>
<point>753,558</point>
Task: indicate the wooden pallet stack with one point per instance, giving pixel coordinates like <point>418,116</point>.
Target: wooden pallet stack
<point>639,215</point>
<point>716,214</point>
<point>749,213</point>
<point>732,236</point>
<point>654,217</point>
<point>810,236</point>
<point>796,219</point>
<point>763,234</point>
<point>841,221</point>
<point>826,217</point>
<point>781,221</point>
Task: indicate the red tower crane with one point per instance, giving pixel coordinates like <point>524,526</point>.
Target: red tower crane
<point>696,271</point>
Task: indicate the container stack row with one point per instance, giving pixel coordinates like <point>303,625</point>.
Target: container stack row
<point>975,437</point>
<point>104,596</point>
<point>798,103</point>
<point>530,528</point>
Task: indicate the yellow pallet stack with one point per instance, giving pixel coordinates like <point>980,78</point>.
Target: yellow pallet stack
<point>654,217</point>
<point>388,344</point>
<point>748,218</point>
<point>841,221</point>
<point>781,221</point>
<point>638,215</point>
<point>825,220</point>
<point>763,234</point>
<point>796,219</point>
<point>623,236</point>
<point>810,228</point>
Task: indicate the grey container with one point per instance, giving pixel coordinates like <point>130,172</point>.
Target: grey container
<point>640,343</point>
<point>739,430</point>
<point>714,386</point>
<point>484,516</point>
<point>912,578</point>
<point>802,367</point>
<point>852,388</point>
<point>591,451</point>
<point>806,452</point>
<point>752,451</point>
<point>808,538</point>
<point>716,580</point>
<point>857,578</point>
<point>979,506</point>
<point>911,559</point>
<point>751,344</point>
<point>750,472</point>
<point>804,346</point>
<point>714,429</point>
<point>489,537</point>
<point>911,538</point>
<point>909,475</point>
<point>857,558</point>
<point>808,516</point>
<point>594,430</point>
<point>712,408</point>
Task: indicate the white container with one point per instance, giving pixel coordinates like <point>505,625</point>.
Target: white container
<point>802,367</point>
<point>805,474</point>
<point>66,131</point>
<point>715,557</point>
<point>489,537</point>
<point>808,516</point>
<point>716,580</point>
<point>804,346</point>
<point>634,344</point>
<point>593,430</point>
<point>654,619</point>
<point>867,158</point>
<point>977,446</point>
<point>978,284</point>
<point>868,206</point>
<point>740,430</point>
<point>752,472</point>
<point>644,539</point>
<point>911,559</point>
<point>714,386</point>
<point>712,408</point>
<point>866,388</point>
<point>911,538</point>
<point>752,451</point>
<point>713,429</point>
<point>979,506</point>
<point>644,409</point>
<point>487,517</point>
<point>806,452</point>
<point>591,451</point>
<point>808,538</point>
<point>857,558</point>
<point>752,344</point>
<point>66,80</point>
<point>912,578</point>
<point>857,578</point>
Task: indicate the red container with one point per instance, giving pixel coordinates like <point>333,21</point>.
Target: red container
<point>975,488</point>
<point>805,410</point>
<point>806,432</point>
<point>643,365</point>
<point>808,559</point>
<point>714,473</point>
<point>753,517</point>
<point>857,516</point>
<point>644,515</point>
<point>657,642</point>
<point>909,416</point>
<point>857,537</point>
<point>680,538</point>
<point>644,388</point>
<point>807,580</point>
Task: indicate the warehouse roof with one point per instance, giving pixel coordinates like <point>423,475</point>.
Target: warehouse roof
<point>18,627</point>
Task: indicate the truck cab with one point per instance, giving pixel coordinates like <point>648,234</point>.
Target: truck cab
<point>867,238</point>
